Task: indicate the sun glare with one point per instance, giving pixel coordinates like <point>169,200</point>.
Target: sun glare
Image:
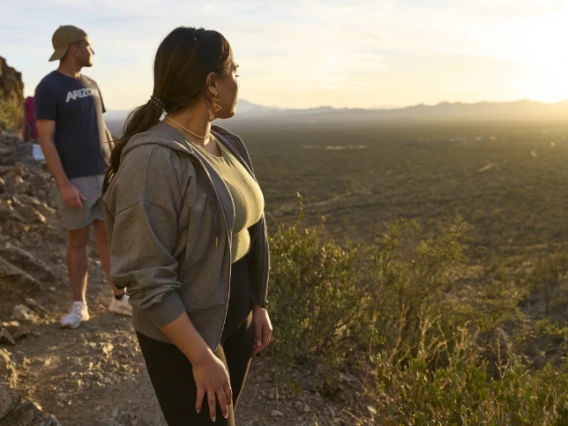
<point>545,78</point>
<point>543,61</point>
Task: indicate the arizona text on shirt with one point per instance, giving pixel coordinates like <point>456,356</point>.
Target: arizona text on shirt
<point>81,93</point>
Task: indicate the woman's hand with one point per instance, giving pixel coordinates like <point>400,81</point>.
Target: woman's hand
<point>262,329</point>
<point>212,379</point>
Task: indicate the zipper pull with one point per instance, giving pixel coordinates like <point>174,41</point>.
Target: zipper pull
<point>216,241</point>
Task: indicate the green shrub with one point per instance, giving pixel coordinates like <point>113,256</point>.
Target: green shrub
<point>428,347</point>
<point>546,276</point>
<point>462,394</point>
<point>333,304</point>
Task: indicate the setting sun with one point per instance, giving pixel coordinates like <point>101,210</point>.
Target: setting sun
<point>543,61</point>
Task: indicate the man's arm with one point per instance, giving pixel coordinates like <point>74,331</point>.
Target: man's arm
<point>46,133</point>
<point>109,137</point>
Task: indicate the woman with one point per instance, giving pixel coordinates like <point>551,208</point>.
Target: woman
<point>187,233</point>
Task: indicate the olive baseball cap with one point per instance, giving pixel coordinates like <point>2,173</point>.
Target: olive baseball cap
<point>63,37</point>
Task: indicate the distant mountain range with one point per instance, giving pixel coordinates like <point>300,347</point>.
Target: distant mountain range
<point>523,109</point>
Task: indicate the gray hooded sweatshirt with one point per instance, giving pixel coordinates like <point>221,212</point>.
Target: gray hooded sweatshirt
<point>169,219</point>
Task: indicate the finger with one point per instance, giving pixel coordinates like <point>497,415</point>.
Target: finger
<point>266,335</point>
<point>81,195</point>
<point>260,348</point>
<point>68,201</point>
<point>211,401</point>
<point>229,394</point>
<point>199,400</point>
<point>75,201</point>
<point>223,402</point>
<point>257,336</point>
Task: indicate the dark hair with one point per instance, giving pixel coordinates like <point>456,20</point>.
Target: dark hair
<point>183,61</point>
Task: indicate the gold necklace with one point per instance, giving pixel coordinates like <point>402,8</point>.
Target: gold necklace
<point>189,131</point>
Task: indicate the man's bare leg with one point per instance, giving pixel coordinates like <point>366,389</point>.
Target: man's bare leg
<point>77,265</point>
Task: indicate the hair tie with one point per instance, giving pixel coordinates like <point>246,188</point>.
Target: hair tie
<point>158,102</point>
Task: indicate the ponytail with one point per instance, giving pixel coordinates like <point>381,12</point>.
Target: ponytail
<point>139,120</point>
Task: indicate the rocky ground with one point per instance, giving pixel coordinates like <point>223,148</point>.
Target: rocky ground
<point>93,375</point>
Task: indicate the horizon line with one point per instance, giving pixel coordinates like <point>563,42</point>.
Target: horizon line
<point>386,108</point>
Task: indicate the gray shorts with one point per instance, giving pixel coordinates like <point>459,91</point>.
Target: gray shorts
<point>73,218</point>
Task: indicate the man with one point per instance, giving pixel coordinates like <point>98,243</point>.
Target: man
<point>75,141</point>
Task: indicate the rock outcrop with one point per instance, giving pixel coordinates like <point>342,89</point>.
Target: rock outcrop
<point>11,96</point>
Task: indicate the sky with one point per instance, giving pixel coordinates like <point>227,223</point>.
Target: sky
<point>301,54</point>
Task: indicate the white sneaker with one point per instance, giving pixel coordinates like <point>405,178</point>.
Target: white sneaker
<point>78,312</point>
<point>121,307</point>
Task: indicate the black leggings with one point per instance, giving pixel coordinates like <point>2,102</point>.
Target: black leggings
<point>171,372</point>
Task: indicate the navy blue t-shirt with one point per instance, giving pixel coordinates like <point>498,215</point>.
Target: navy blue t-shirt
<point>76,106</point>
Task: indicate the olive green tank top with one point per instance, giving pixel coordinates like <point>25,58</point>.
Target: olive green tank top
<point>246,193</point>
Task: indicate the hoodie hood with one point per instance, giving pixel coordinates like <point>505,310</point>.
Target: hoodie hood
<point>168,136</point>
<point>160,134</point>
